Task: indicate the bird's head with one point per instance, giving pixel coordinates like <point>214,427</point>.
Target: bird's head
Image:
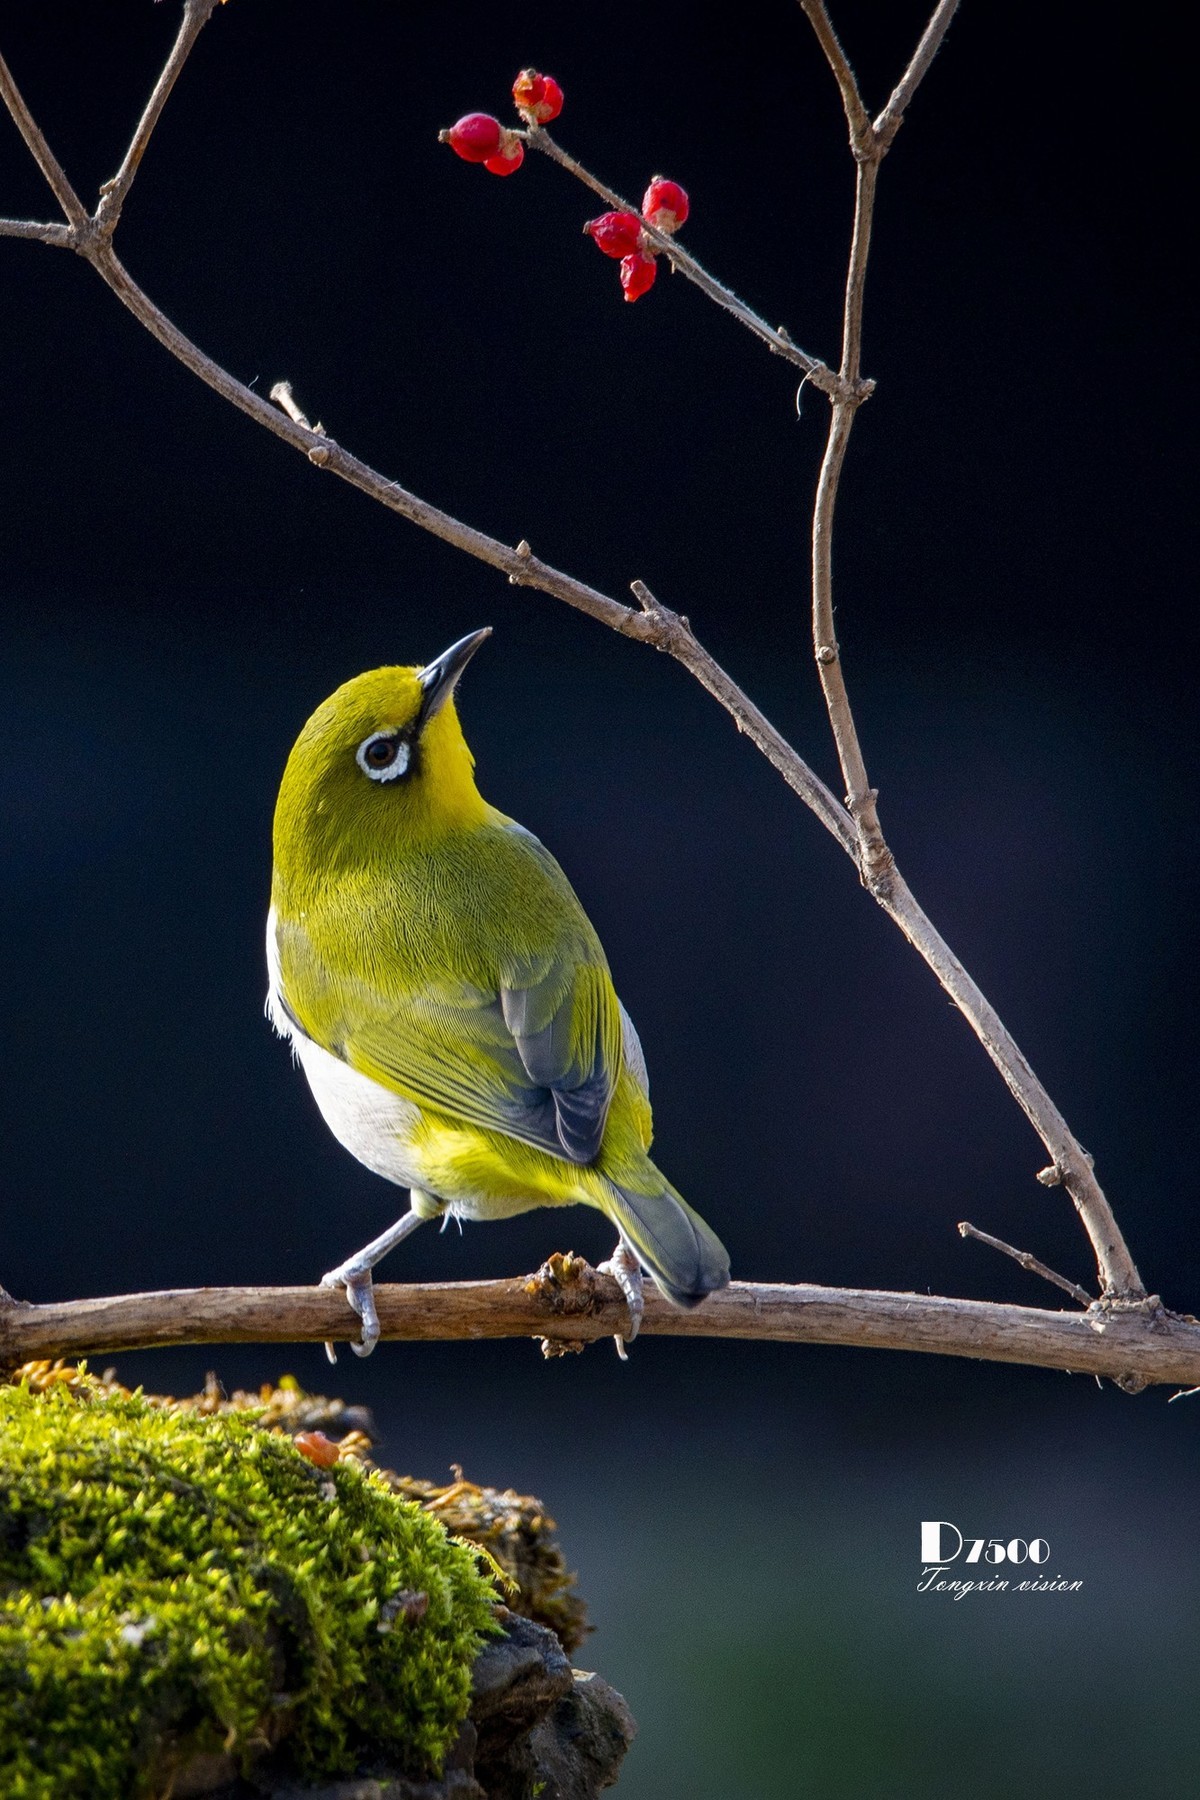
<point>382,763</point>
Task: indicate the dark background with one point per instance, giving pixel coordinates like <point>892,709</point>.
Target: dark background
<point>181,590</point>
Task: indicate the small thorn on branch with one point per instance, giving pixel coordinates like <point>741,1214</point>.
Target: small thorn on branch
<point>283,397</point>
<point>668,628</point>
<point>1027,1261</point>
<point>656,609</point>
<point>523,550</point>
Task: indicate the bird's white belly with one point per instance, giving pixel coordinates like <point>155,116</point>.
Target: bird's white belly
<point>374,1124</point>
<point>370,1121</point>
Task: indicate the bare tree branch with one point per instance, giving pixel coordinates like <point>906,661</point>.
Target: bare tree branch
<point>569,1304</point>
<point>196,14</point>
<point>655,624</point>
<point>1027,1261</point>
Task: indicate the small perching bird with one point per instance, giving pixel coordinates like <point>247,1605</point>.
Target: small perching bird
<point>447,996</point>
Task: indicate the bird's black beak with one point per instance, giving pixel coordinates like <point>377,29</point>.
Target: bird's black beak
<point>439,677</point>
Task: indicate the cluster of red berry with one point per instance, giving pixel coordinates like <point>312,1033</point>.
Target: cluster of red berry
<point>479,138</point>
<point>620,234</point>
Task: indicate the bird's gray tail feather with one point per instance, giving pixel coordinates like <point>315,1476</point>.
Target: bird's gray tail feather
<point>686,1258</point>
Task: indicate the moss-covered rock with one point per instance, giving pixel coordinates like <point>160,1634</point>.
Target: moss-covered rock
<point>172,1584</point>
<point>514,1529</point>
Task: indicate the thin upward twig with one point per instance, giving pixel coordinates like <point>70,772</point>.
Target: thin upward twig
<point>665,630</point>
<point>857,116</point>
<point>860,797</point>
<point>892,117</point>
<point>196,14</point>
<point>1027,1261</point>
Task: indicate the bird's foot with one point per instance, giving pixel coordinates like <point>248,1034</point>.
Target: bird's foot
<point>626,1271</point>
<point>360,1293</point>
<point>355,1274</point>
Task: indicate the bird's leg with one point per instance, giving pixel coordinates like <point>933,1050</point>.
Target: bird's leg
<point>355,1276</point>
<point>626,1271</point>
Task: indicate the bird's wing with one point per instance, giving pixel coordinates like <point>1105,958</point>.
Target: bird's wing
<point>535,1054</point>
<point>537,1060</point>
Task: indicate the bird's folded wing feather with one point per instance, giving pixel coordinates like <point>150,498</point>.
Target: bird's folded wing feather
<point>536,1057</point>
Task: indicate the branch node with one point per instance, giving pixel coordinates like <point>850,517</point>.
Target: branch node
<point>320,454</point>
<point>518,577</point>
<point>1050,1176</point>
<point>568,1287</point>
<point>827,653</point>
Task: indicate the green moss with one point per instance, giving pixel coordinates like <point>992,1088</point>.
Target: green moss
<point>171,1584</point>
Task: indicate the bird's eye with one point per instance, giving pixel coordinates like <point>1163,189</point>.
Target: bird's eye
<point>383,756</point>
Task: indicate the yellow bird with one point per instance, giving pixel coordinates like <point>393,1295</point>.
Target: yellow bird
<point>447,996</point>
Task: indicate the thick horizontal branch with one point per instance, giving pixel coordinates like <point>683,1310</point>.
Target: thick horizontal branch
<point>568,1303</point>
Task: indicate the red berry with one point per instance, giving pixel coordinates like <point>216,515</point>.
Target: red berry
<point>616,233</point>
<point>317,1448</point>
<point>509,157</point>
<point>538,95</point>
<point>476,137</point>
<point>637,275</point>
<point>665,204</point>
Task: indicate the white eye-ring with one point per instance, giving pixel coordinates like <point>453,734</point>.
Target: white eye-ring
<point>383,756</point>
